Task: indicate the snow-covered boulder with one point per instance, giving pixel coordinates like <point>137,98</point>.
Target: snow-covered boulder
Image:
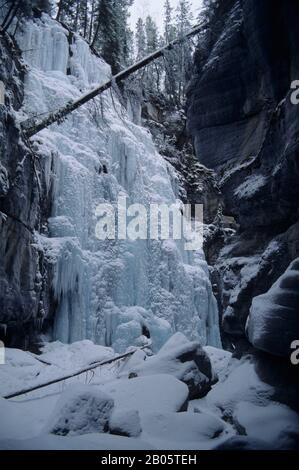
<point>125,423</point>
<point>82,409</point>
<point>273,322</point>
<point>185,360</point>
<point>275,423</point>
<point>148,394</point>
<point>241,384</point>
<point>75,355</point>
<point>183,430</point>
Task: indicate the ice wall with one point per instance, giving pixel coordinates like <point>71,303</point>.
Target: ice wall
<point>107,291</point>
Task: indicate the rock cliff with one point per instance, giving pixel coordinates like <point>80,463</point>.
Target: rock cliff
<point>246,129</point>
<point>23,204</point>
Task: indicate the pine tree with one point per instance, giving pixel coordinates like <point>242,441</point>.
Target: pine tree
<point>124,34</point>
<point>152,44</point>
<point>184,51</point>
<point>140,39</point>
<point>16,9</point>
<point>65,11</point>
<point>105,38</point>
<point>170,60</point>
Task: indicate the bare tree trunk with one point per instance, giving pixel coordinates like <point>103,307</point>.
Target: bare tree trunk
<point>60,5</point>
<point>85,19</point>
<point>93,366</point>
<point>96,31</point>
<point>31,128</point>
<point>10,15</point>
<point>91,20</point>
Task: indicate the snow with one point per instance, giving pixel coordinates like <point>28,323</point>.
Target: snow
<point>158,392</point>
<point>125,422</point>
<point>81,410</point>
<point>183,431</point>
<point>79,354</point>
<point>220,360</point>
<point>145,408</point>
<point>106,290</point>
<point>23,370</point>
<point>274,423</point>
<point>241,384</point>
<point>85,442</point>
<point>178,357</point>
<point>250,186</point>
<point>272,324</point>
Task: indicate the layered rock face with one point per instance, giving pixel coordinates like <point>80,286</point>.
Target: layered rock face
<point>246,128</point>
<point>23,293</point>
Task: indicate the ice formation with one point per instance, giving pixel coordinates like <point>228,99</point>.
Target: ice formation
<point>108,291</point>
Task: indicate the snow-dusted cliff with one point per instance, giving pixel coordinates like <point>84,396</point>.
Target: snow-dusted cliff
<point>107,291</point>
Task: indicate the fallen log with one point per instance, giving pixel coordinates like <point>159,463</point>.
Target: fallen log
<point>31,127</point>
<point>74,374</point>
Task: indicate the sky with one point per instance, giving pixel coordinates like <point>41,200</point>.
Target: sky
<point>142,8</point>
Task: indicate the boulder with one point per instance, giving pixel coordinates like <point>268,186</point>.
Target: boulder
<point>159,392</point>
<point>125,423</point>
<point>82,409</point>
<point>184,359</point>
<point>273,322</point>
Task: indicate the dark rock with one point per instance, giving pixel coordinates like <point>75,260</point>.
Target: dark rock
<point>24,291</point>
<point>183,359</point>
<point>273,322</point>
<point>246,129</point>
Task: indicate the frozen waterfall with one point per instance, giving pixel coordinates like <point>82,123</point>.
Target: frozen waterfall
<point>106,291</point>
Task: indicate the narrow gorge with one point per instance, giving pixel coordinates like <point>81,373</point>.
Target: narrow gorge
<point>196,349</point>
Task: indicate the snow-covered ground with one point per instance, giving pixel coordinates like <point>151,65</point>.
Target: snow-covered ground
<point>107,410</point>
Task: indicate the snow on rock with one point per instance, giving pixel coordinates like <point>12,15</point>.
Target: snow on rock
<point>183,430</point>
<point>183,359</point>
<point>241,384</point>
<point>24,370</point>
<point>81,410</point>
<point>274,423</point>
<point>273,322</point>
<point>75,355</point>
<point>251,186</point>
<point>24,419</point>
<point>93,157</point>
<point>125,423</point>
<point>21,370</point>
<point>84,442</point>
<point>148,394</point>
<point>220,360</point>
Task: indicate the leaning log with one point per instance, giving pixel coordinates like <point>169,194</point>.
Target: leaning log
<point>70,376</point>
<point>31,127</point>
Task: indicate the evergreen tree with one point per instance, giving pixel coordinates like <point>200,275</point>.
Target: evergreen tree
<point>140,39</point>
<point>170,60</point>
<point>184,19</point>
<point>124,34</point>
<point>16,9</point>
<point>152,44</point>
<point>65,11</point>
<point>106,39</point>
